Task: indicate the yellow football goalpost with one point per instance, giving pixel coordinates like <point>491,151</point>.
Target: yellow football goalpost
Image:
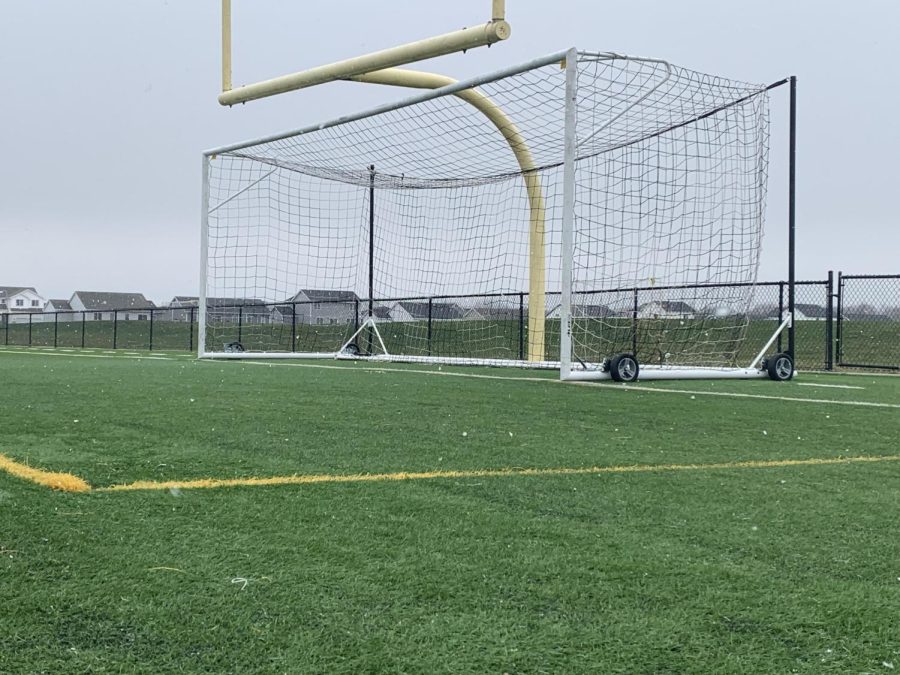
<point>380,68</point>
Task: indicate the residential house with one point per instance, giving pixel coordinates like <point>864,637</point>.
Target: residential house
<point>666,309</point>
<point>18,303</point>
<point>437,311</point>
<point>319,307</point>
<point>59,310</point>
<point>231,310</point>
<point>583,312</point>
<point>102,306</point>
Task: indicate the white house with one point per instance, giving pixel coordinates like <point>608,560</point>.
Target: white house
<point>104,306</point>
<point>59,310</point>
<point>219,310</point>
<point>319,306</point>
<point>18,302</point>
<point>666,309</point>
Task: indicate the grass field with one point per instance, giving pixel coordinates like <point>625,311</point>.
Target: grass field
<point>432,521</point>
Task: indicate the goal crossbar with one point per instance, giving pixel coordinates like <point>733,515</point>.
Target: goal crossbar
<point>495,30</point>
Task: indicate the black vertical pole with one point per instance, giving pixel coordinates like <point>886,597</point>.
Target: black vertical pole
<point>151,330</point>
<point>55,329</point>
<point>430,302</point>
<point>29,329</point>
<point>521,326</point>
<point>780,317</point>
<point>6,329</point>
<point>115,328</point>
<point>371,253</point>
<point>840,318</point>
<point>634,323</point>
<point>355,314</point>
<point>83,325</point>
<point>792,211</point>
<point>240,322</point>
<point>191,331</point>
<point>829,318</point>
<point>293,326</point>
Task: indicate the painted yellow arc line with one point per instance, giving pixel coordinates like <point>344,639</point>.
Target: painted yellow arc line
<point>482,473</point>
<point>51,479</point>
<point>70,483</point>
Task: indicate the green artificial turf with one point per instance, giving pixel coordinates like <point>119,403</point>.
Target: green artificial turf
<point>790,569</point>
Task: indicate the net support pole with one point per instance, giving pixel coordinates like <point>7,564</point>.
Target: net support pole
<point>204,243</point>
<point>568,219</point>
<point>399,77</point>
<point>792,210</point>
<point>371,252</point>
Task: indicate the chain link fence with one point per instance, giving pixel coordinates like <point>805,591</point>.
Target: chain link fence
<point>854,323</point>
<point>868,321</point>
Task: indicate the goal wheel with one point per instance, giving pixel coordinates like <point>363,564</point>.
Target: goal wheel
<point>624,368</point>
<point>234,348</point>
<point>780,367</point>
<point>352,349</point>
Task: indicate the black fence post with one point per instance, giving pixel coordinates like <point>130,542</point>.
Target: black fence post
<point>840,318</point>
<point>521,326</point>
<point>6,329</point>
<point>55,329</point>
<point>240,322</point>
<point>29,328</point>
<point>355,314</point>
<point>430,303</point>
<point>115,329</point>
<point>151,330</point>
<point>829,318</point>
<point>191,331</point>
<point>634,323</point>
<point>83,322</point>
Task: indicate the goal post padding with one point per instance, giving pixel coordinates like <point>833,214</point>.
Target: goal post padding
<point>667,180</point>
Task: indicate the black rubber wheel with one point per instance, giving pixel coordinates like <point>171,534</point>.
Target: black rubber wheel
<point>234,348</point>
<point>624,368</point>
<point>780,367</point>
<point>352,349</point>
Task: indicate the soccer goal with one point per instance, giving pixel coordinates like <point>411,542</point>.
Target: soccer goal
<point>594,213</point>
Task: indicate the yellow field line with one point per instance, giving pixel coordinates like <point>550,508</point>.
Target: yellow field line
<point>69,483</point>
<point>312,479</point>
<point>58,481</point>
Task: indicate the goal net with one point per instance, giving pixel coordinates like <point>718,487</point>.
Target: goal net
<point>543,216</point>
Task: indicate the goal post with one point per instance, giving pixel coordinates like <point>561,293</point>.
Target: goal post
<point>593,218</point>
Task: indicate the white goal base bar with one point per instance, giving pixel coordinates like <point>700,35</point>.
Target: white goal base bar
<point>591,373</point>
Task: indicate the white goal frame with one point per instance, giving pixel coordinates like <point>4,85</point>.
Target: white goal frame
<point>569,368</point>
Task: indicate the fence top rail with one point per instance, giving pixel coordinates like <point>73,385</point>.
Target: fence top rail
<point>869,276</point>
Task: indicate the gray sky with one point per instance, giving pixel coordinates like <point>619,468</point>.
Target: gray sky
<point>108,105</point>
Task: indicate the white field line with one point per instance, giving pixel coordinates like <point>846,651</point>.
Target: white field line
<point>104,355</point>
<point>617,387</point>
<point>830,386</point>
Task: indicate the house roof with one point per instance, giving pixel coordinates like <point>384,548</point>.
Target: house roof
<point>596,311</point>
<point>8,291</point>
<point>671,306</point>
<point>60,304</point>
<point>94,300</point>
<point>324,295</point>
<point>439,310</point>
<point>810,310</point>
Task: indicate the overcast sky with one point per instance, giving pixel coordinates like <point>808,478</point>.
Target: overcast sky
<point>108,105</point>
